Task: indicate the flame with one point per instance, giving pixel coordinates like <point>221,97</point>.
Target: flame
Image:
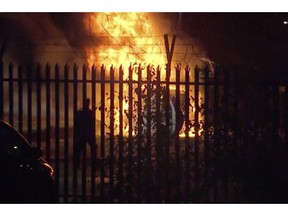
<point>125,39</point>
<point>191,133</point>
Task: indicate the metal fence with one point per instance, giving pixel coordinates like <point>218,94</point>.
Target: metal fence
<point>142,153</point>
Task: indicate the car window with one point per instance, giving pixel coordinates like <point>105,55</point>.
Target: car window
<point>12,144</point>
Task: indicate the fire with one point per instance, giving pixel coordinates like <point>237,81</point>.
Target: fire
<point>191,133</point>
<point>125,39</point>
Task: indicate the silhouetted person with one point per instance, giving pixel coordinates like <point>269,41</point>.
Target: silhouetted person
<point>84,132</point>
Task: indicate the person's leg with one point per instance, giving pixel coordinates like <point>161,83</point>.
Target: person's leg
<point>79,151</point>
<point>92,145</point>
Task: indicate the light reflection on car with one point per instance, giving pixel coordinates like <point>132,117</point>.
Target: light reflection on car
<point>25,177</point>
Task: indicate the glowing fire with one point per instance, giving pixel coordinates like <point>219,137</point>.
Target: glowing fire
<point>191,133</point>
<point>125,39</point>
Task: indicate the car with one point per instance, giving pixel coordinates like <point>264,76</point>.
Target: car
<point>25,176</point>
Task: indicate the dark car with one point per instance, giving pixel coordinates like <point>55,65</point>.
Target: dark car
<point>25,177</point>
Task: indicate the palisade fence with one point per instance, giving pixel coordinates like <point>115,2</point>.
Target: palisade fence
<point>233,130</point>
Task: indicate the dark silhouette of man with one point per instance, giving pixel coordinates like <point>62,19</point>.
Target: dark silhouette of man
<point>84,132</point>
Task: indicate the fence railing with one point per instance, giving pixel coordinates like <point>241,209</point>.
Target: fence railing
<point>187,137</point>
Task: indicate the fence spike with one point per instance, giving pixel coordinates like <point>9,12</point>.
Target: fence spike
<point>94,67</point>
<point>48,66</point>
<point>10,66</point>
<point>84,68</point>
<point>57,66</point>
<point>75,67</point>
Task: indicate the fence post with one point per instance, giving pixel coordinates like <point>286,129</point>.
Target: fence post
<point>84,156</point>
<point>20,99</point>
<point>139,138</point>
<point>187,126</point>
<point>57,120</point>
<point>1,90</point>
<point>48,112</point>
<point>121,143</point>
<point>93,161</point>
<point>11,104</point>
<point>159,138</point>
<point>196,117</point>
<point>38,90</point>
<point>111,143</point>
<point>235,119</point>
<point>102,142</point>
<point>149,141</point>
<point>75,102</point>
<point>130,138</point>
<point>206,128</point>
<point>66,131</point>
<point>177,139</point>
<point>225,145</point>
<point>166,152</point>
<point>29,105</point>
<point>216,127</point>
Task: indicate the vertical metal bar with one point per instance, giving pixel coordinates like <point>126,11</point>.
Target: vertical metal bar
<point>166,153</point>
<point>149,141</point>
<point>84,156</point>
<point>187,145</point>
<point>11,104</point>
<point>216,127</point>
<point>225,127</point>
<point>206,127</point>
<point>102,141</point>
<point>93,154</point>
<point>130,138</point>
<point>1,90</point>
<point>196,117</point>
<point>20,99</point>
<point>66,132</point>
<point>160,130</point>
<point>29,105</point>
<point>48,112</point>
<point>139,138</point>
<point>177,146</point>
<point>121,142</point>
<point>38,71</point>
<point>75,161</point>
<point>57,121</point>
<point>235,111</point>
<point>111,143</point>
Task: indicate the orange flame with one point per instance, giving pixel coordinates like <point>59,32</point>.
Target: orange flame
<point>125,39</point>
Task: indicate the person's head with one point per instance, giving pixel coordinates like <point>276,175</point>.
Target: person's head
<point>86,103</point>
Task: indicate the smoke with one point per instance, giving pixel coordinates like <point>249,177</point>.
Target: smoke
<point>28,38</point>
<point>15,41</point>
